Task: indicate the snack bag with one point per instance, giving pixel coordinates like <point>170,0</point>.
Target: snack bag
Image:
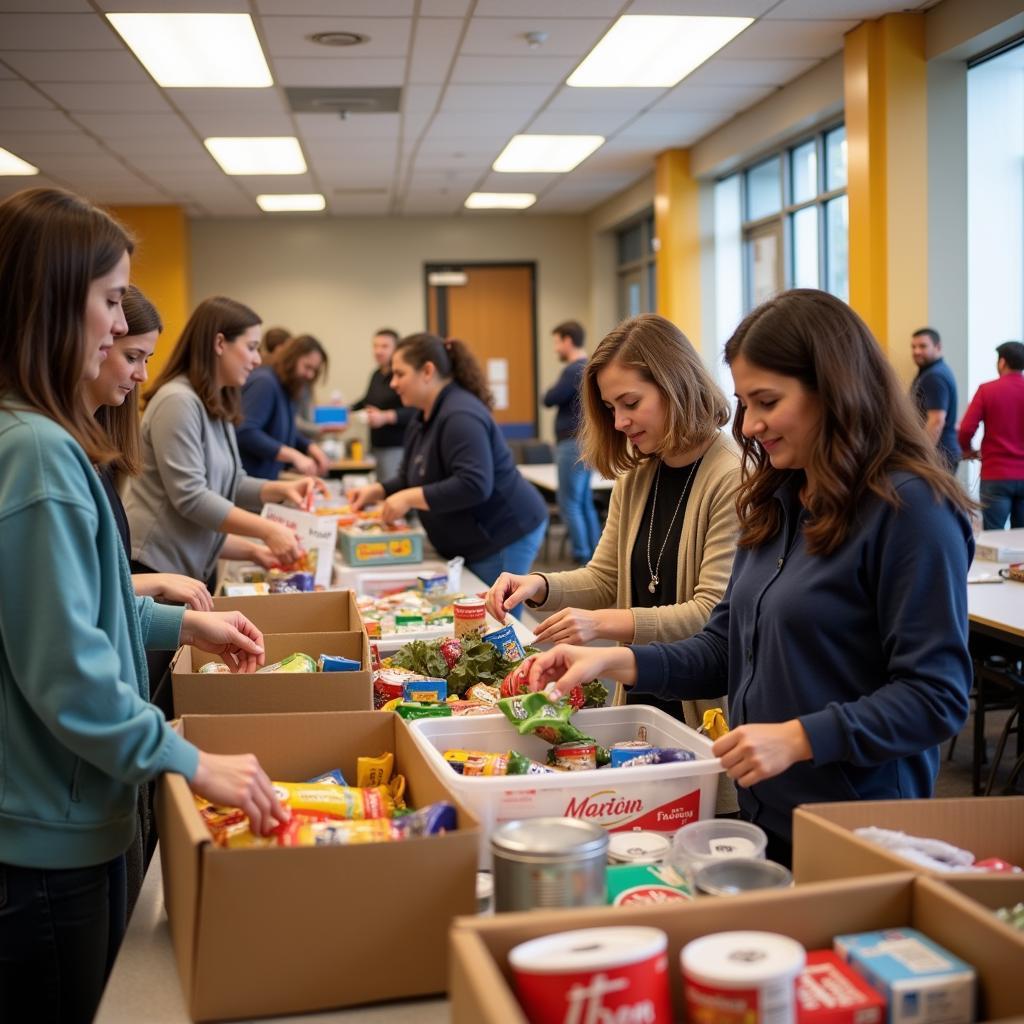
<point>410,711</point>
<point>375,771</point>
<point>520,764</point>
<point>326,800</point>
<point>476,762</point>
<point>293,663</point>
<point>535,713</point>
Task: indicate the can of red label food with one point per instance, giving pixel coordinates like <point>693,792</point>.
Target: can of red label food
<point>576,755</point>
<point>387,686</point>
<point>470,617</point>
<point>596,974</point>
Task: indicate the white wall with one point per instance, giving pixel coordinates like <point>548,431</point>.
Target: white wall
<point>341,279</point>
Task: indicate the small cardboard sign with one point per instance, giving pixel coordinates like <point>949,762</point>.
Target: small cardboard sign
<point>315,533</point>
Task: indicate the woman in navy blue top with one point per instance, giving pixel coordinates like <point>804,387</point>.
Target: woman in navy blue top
<point>268,437</point>
<point>842,636</point>
<point>457,470</point>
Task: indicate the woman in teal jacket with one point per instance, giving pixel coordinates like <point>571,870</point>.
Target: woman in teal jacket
<point>77,733</point>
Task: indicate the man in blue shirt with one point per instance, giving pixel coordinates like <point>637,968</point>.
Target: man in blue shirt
<point>575,500</point>
<point>934,391</point>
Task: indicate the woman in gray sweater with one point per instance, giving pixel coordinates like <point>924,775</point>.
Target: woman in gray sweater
<point>193,503</point>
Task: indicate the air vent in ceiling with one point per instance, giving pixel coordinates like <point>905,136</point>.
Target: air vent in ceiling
<point>358,100</point>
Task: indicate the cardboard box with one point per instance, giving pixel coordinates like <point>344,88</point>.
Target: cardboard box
<point>261,932</point>
<point>825,846</point>
<point>331,611</point>
<point>481,982</point>
<point>993,892</point>
<point>394,547</point>
<point>196,693</point>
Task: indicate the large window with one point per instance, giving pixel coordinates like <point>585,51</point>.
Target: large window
<point>635,259</point>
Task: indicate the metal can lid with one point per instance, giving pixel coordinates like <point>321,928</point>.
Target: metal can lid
<point>742,959</point>
<point>549,837</point>
<point>589,949</point>
<point>638,847</point>
<point>469,602</point>
<point>733,875</point>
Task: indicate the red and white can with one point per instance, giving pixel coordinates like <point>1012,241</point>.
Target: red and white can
<point>576,755</point>
<point>596,974</point>
<point>470,617</point>
<point>387,685</point>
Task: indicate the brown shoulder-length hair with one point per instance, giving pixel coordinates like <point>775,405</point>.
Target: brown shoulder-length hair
<point>53,245</point>
<point>452,359</point>
<point>287,355</point>
<point>121,422</point>
<point>194,355</point>
<point>869,428</point>
<point>661,354</point>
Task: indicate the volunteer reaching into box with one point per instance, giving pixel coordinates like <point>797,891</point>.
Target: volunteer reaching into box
<point>842,637</point>
<point>185,508</point>
<point>457,470</point>
<point>77,735</point>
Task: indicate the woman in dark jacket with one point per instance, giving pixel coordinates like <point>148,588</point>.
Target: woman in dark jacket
<point>457,470</point>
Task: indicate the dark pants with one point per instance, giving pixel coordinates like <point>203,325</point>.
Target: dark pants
<point>1002,500</point>
<point>57,941</point>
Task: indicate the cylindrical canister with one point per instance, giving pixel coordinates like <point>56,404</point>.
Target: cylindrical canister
<point>736,875</point>
<point>595,974</point>
<point>470,617</point>
<point>576,755</point>
<point>626,750</point>
<point>638,847</point>
<point>548,862</point>
<point>741,976</point>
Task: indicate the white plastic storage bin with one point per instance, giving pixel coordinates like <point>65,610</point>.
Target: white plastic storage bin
<point>658,797</point>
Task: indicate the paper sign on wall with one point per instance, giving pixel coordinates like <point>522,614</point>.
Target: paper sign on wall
<point>497,380</point>
<point>315,533</point>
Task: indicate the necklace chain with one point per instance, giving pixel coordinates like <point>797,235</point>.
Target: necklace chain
<point>652,587</point>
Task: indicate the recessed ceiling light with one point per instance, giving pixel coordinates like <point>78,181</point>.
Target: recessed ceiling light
<point>499,200</point>
<point>14,165</point>
<point>338,38</point>
<point>192,51</point>
<point>270,155</point>
<point>541,154</point>
<point>654,51</point>
<point>291,204</point>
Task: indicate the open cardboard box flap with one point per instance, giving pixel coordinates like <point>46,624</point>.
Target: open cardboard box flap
<point>329,611</point>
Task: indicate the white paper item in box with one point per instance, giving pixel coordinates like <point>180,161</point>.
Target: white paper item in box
<point>657,797</point>
<point>315,533</point>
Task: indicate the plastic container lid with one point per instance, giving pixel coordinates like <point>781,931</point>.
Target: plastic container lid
<point>589,949</point>
<point>717,838</point>
<point>742,959</point>
<point>730,876</point>
<point>638,847</point>
<point>549,838</point>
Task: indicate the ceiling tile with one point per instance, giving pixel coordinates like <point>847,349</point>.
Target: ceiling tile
<point>420,98</point>
<point>257,184</point>
<point>41,143</point>
<point>57,32</point>
<point>6,74</point>
<point>784,39</point>
<point>547,8</point>
<point>442,162</point>
<point>496,125</point>
<point>137,126</point>
<point>859,9</point>
<point>344,177</point>
<point>21,94</point>
<point>83,165</point>
<point>580,122</point>
<point>516,99</point>
<point>329,8</point>
<point>229,123</point>
<point>444,8</point>
<point>431,206</point>
<point>566,37</point>
<point>76,65</point>
<point>495,182</point>
<point>17,120</point>
<point>359,206</point>
<point>749,72</point>
<point>99,98</point>
<point>722,8</point>
<point>170,166</point>
<point>246,101</point>
<point>434,46</point>
<point>45,6</point>
<point>674,127</point>
<point>339,71</point>
<point>428,179</point>
<point>413,126</point>
<point>157,146</point>
<point>11,183</point>
<point>355,127</point>
<point>528,68</point>
<point>288,37</point>
<point>598,100</point>
<point>178,6</point>
<point>724,98</point>
<point>373,149</point>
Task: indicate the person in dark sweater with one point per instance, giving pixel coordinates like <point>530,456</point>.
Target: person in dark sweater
<point>575,498</point>
<point>457,470</point>
<point>268,437</point>
<point>934,391</point>
<point>384,412</point>
<point>842,636</point>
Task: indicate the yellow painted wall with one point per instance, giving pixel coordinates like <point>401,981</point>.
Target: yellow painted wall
<point>677,226</point>
<point>160,267</point>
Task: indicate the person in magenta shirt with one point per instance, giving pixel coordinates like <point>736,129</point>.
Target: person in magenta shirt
<point>999,404</point>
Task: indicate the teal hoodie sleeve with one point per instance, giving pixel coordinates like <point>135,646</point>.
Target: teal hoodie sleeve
<point>62,661</point>
<point>160,623</point>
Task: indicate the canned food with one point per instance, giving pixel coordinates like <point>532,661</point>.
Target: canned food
<point>734,875</point>
<point>627,750</point>
<point>386,688</point>
<point>576,756</point>
<point>470,617</point>
<point>638,848</point>
<point>548,862</point>
<point>507,643</point>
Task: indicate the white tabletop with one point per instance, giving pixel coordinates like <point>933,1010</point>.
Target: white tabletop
<point>545,476</point>
<point>144,985</point>
<point>998,606</point>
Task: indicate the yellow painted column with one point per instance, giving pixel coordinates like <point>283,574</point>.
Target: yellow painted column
<point>885,86</point>
<point>677,227</point>
<point>160,268</point>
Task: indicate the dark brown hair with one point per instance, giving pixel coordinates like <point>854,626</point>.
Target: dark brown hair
<point>195,357</point>
<point>660,353</point>
<point>285,358</point>
<point>452,360</point>
<point>273,338</point>
<point>121,422</point>
<point>1012,352</point>
<point>869,428</point>
<point>571,329</point>
<point>53,245</point>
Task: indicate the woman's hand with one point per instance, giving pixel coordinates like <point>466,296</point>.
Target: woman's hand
<point>262,556</point>
<point>237,780</point>
<point>295,492</point>
<point>564,667</point>
<point>304,464</point>
<point>319,456</point>
<point>753,753</point>
<point>379,417</point>
<point>173,589</point>
<point>396,506</point>
<point>509,591</point>
<point>575,626</point>
<point>282,542</point>
<point>363,496</point>
<point>229,634</point>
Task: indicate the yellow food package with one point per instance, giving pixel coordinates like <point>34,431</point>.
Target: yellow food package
<point>330,801</point>
<point>714,725</point>
<point>375,771</point>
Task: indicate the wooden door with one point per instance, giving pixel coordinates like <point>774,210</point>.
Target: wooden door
<point>493,313</point>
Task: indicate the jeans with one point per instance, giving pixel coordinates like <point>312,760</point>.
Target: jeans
<point>517,559</point>
<point>55,935</point>
<point>1002,499</point>
<point>575,500</point>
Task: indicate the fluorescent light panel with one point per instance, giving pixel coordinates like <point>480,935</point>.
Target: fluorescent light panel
<point>291,203</point>
<point>196,51</point>
<point>14,165</point>
<point>270,155</point>
<point>500,200</point>
<point>653,51</point>
<point>546,154</point>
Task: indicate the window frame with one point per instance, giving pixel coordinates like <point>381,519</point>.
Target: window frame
<point>645,266</point>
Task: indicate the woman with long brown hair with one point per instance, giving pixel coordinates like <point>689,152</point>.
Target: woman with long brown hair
<point>843,635</point>
<point>457,470</point>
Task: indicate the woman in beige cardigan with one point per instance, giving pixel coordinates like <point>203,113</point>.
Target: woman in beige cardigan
<point>651,418</point>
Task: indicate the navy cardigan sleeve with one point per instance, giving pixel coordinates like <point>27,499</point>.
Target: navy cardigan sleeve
<point>259,396</point>
<point>564,389</point>
<point>467,450</point>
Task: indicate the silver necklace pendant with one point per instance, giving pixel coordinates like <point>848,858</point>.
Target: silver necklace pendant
<point>653,585</point>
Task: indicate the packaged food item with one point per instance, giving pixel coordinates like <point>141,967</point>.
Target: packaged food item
<point>433,583</point>
<point>375,665</point>
<point>253,574</point>
<point>427,691</point>
<point>829,991</point>
<point>576,755</point>
<point>336,663</point>
<point>411,711</point>
<point>212,667</point>
<point>516,681</point>
<point>1013,916</point>
<point>461,708</point>
<point>645,884</point>
<point>520,764</point>
<point>535,713</point>
<point>409,622</point>
<point>333,778</point>
<point>375,771</point>
<point>298,662</point>
<point>623,752</point>
<point>476,762</point>
<point>484,694</point>
<point>639,847</point>
<point>922,982</point>
<point>507,643</point>
<point>279,582</point>
<point>470,617</point>
<point>713,724</point>
<point>217,817</point>
<point>389,684</point>
<point>654,755</point>
<point>327,800</point>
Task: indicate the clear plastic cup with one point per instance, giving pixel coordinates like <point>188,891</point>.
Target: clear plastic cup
<point>702,842</point>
